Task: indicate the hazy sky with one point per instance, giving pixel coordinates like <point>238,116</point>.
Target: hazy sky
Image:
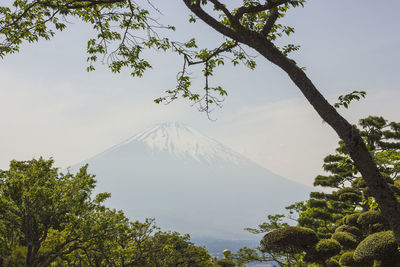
<point>51,106</point>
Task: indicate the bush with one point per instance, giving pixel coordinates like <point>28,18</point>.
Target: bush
<point>287,239</point>
<point>351,219</point>
<point>378,246</point>
<point>347,259</point>
<point>327,248</point>
<point>349,194</point>
<point>332,263</point>
<point>317,203</point>
<point>349,229</point>
<point>347,240</point>
<point>370,217</point>
<point>372,221</point>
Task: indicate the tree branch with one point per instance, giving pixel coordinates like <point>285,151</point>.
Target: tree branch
<point>198,11</point>
<point>222,7</point>
<point>258,8</point>
<point>270,22</point>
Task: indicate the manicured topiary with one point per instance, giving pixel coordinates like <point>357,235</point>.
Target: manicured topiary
<point>332,263</point>
<point>349,194</point>
<point>378,246</point>
<point>289,239</point>
<point>378,227</point>
<point>372,221</point>
<point>327,248</point>
<point>349,229</point>
<point>317,203</point>
<point>347,240</point>
<point>370,217</point>
<point>351,219</point>
<point>347,259</point>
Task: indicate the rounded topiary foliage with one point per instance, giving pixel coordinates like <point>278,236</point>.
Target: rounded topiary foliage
<point>332,263</point>
<point>289,239</point>
<point>372,221</point>
<point>347,259</point>
<point>349,229</point>
<point>327,248</point>
<point>395,189</point>
<point>378,246</point>
<point>347,240</point>
<point>351,219</point>
<point>226,263</point>
<point>349,194</point>
<point>317,203</point>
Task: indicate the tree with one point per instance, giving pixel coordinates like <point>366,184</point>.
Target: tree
<point>347,223</point>
<point>50,219</point>
<point>36,201</point>
<point>254,24</point>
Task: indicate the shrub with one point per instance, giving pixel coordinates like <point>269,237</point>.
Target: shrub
<point>370,217</point>
<point>378,246</point>
<point>349,229</point>
<point>372,221</point>
<point>287,239</point>
<point>347,259</point>
<point>327,248</point>
<point>332,263</point>
<point>347,240</point>
<point>351,219</point>
<point>349,194</point>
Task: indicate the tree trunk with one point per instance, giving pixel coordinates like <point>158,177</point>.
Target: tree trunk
<point>29,256</point>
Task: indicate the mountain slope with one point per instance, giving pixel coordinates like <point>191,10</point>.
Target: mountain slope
<point>190,183</point>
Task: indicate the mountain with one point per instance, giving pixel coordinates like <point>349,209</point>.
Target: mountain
<point>190,183</point>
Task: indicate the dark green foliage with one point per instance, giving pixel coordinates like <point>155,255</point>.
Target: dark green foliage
<point>347,259</point>
<point>289,239</point>
<point>351,219</point>
<point>349,194</point>
<point>327,248</point>
<point>317,203</point>
<point>347,240</point>
<point>332,263</point>
<point>372,221</point>
<point>350,229</point>
<point>225,263</point>
<point>324,249</point>
<point>378,246</point>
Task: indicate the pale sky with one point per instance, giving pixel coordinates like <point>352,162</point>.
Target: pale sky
<point>51,106</point>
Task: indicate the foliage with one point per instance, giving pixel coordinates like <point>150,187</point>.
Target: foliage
<point>289,239</point>
<point>48,218</point>
<point>347,259</point>
<point>347,240</point>
<point>377,246</point>
<point>349,229</point>
<point>372,221</point>
<point>345,100</point>
<point>325,249</point>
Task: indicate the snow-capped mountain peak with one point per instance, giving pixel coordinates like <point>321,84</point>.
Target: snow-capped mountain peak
<point>183,141</point>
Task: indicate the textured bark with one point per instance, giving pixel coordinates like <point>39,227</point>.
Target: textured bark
<point>380,190</point>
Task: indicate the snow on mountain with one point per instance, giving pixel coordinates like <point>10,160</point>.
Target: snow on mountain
<point>183,141</point>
